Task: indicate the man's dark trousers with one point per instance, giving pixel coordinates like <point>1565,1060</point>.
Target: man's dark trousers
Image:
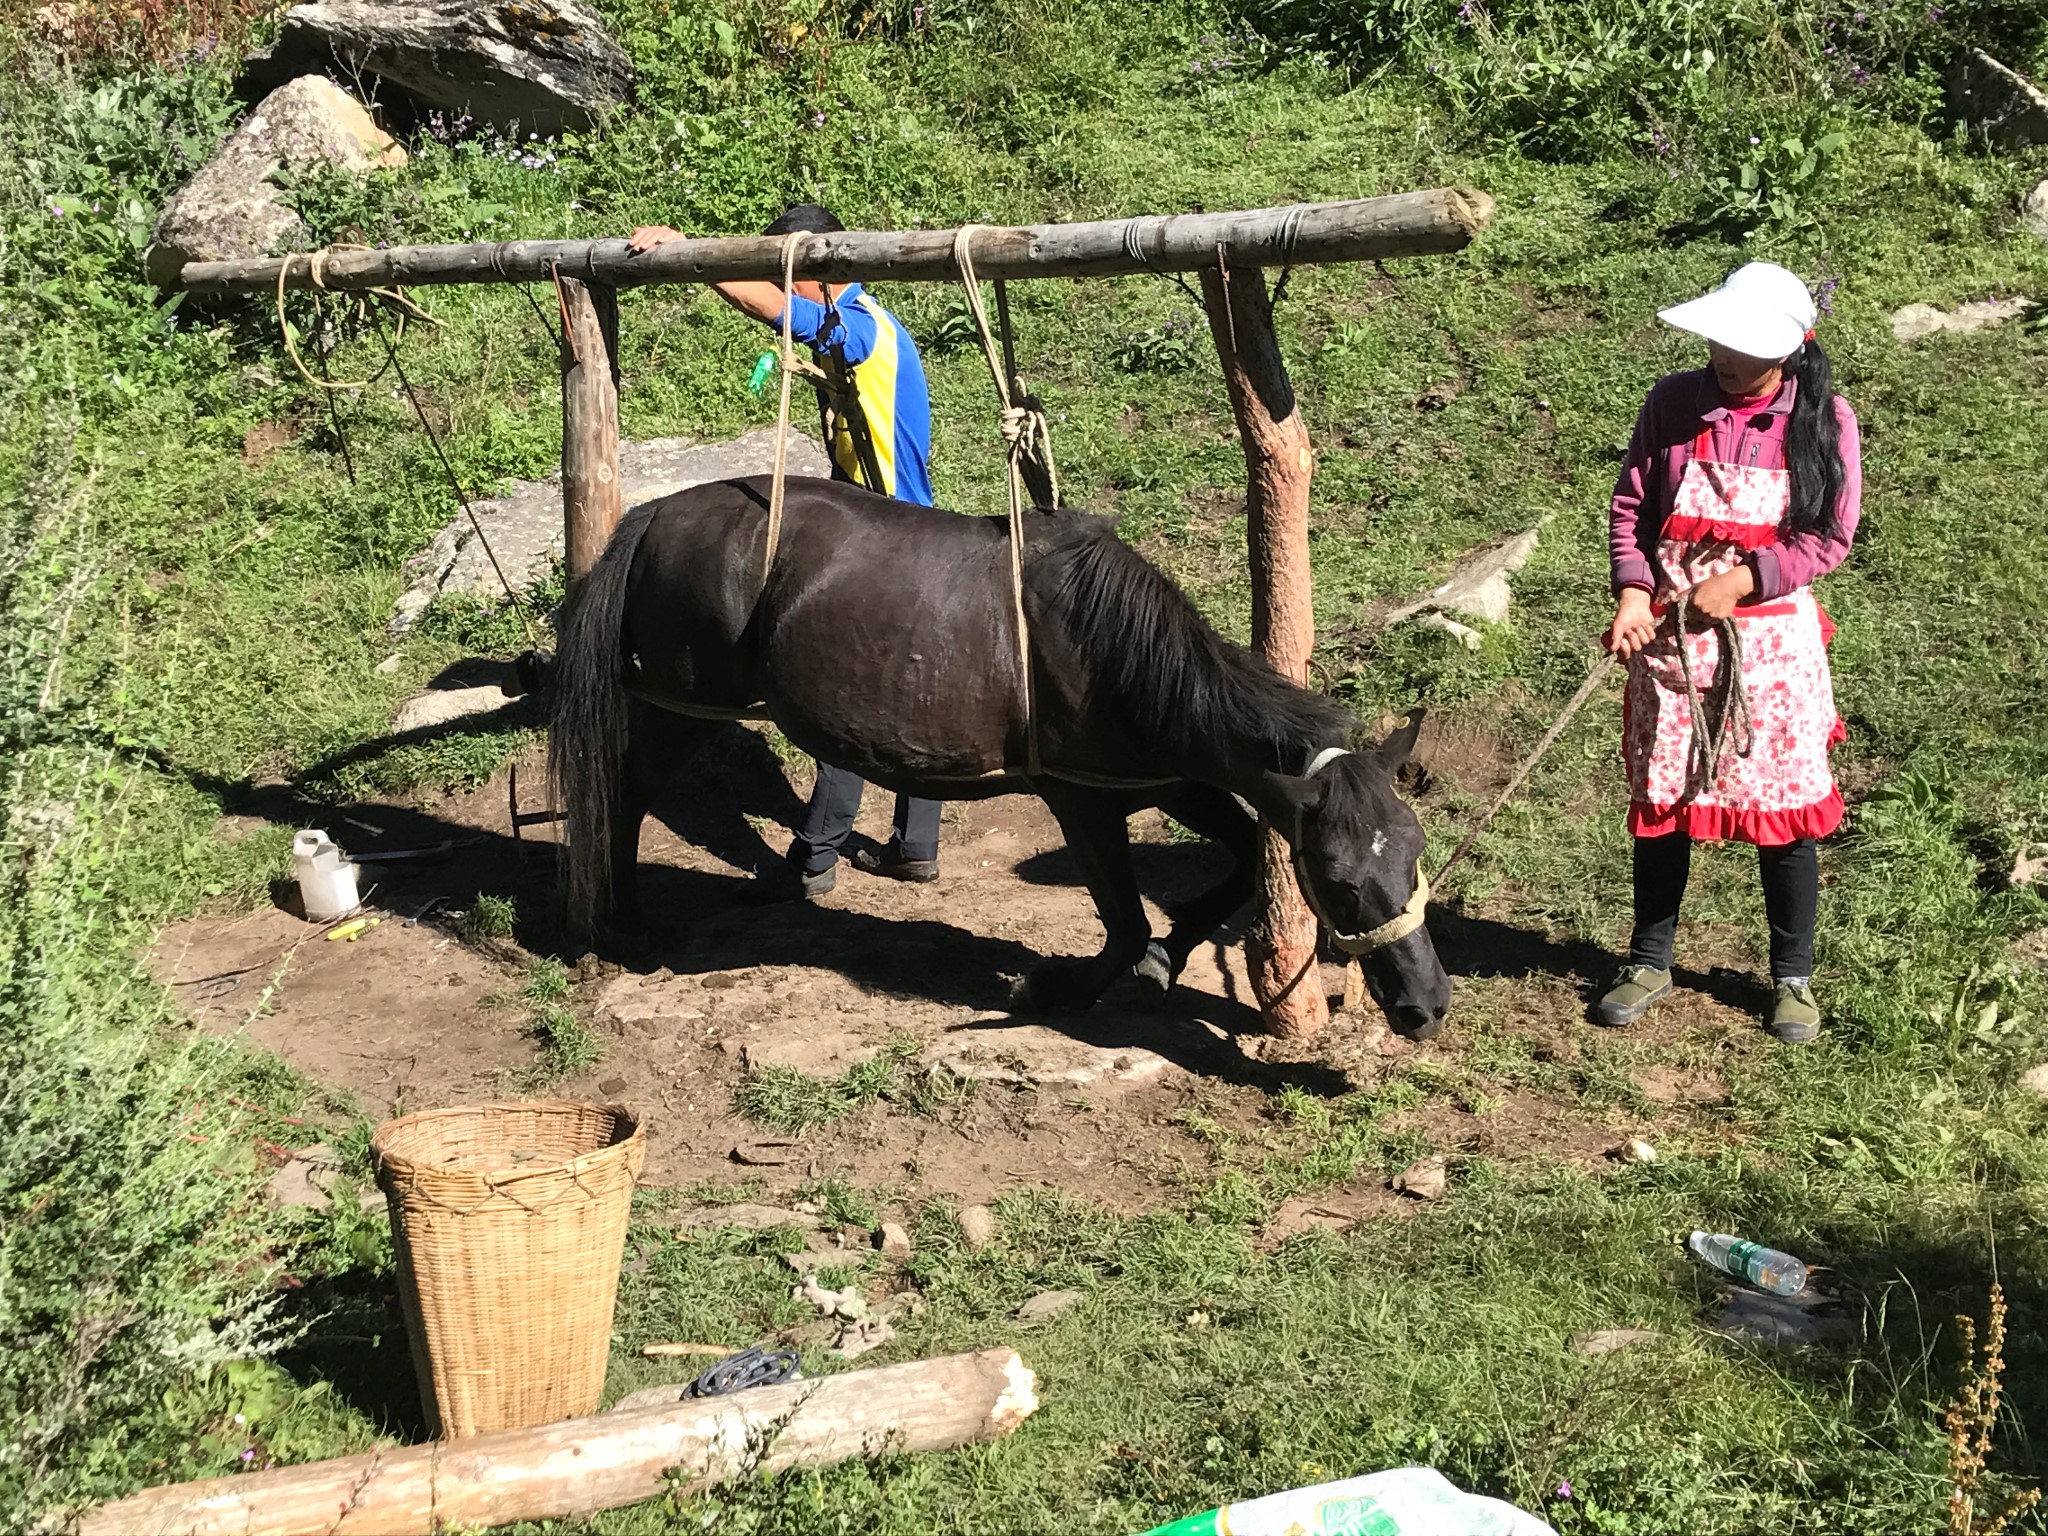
<point>835,801</point>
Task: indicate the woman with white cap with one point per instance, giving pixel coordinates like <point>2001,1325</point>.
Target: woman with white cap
<point>1742,484</point>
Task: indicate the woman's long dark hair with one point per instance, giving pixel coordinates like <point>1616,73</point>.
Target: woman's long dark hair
<point>1813,443</point>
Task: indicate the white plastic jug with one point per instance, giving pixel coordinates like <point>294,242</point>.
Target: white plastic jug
<point>327,881</point>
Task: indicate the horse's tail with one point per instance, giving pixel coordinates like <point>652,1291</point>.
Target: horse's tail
<point>587,736</point>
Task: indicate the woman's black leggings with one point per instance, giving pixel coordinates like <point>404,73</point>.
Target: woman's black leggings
<point>1791,879</point>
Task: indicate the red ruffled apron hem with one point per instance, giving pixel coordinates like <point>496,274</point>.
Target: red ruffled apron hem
<point>1724,824</point>
<point>1691,528</point>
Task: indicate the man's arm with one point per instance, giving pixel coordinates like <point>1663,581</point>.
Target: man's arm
<point>761,300</point>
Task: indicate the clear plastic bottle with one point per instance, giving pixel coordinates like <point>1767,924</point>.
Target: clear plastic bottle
<point>1765,1268</point>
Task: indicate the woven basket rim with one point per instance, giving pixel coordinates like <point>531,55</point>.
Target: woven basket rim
<point>398,1167</point>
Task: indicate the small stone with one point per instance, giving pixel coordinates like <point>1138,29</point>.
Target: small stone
<point>978,1227</point>
<point>857,1338</point>
<point>1605,1341</point>
<point>893,1240</point>
<point>390,664</point>
<point>1636,1150</point>
<point>2034,211</point>
<point>2029,864</point>
<point>612,1085</point>
<point>1047,1305</point>
<point>2035,1079</point>
<point>1423,1181</point>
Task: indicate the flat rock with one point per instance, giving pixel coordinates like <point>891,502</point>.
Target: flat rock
<point>2007,108</point>
<point>536,65</point>
<point>1916,322</point>
<point>892,1238</point>
<point>1790,1322</point>
<point>1029,1055</point>
<point>978,1227</point>
<point>2029,864</point>
<point>1477,586</point>
<point>444,706</point>
<point>2034,211</point>
<point>744,1215</point>
<point>1422,1181</point>
<point>523,527</point>
<point>231,207</point>
<point>1605,1341</point>
<point>1047,1305</point>
<point>307,1178</point>
<point>826,1053</point>
<point>648,1005</point>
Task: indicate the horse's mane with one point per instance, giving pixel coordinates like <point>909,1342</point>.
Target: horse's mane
<point>1167,671</point>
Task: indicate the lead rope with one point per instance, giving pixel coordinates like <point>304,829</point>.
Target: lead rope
<point>1713,734</point>
<point>1027,434</point>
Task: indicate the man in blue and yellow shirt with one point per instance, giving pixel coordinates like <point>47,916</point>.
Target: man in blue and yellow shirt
<point>885,445</point>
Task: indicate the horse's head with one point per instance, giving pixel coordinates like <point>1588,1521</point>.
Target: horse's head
<point>1358,855</point>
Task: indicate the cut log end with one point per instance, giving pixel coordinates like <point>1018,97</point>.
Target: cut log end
<point>1018,1399</point>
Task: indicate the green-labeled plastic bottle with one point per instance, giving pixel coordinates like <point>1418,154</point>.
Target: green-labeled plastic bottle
<point>1405,1501</point>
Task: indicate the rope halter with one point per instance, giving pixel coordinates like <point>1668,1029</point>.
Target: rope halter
<point>1396,928</point>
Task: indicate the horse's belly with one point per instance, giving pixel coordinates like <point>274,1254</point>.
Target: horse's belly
<point>893,702</point>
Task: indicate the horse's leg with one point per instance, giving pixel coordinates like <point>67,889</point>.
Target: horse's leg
<point>1094,824</point>
<point>1213,814</point>
<point>658,743</point>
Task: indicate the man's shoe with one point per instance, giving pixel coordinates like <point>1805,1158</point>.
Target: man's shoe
<point>786,882</point>
<point>917,871</point>
<point>1795,1017</point>
<point>1634,990</point>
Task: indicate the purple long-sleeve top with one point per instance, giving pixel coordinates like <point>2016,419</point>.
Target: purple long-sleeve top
<point>1680,407</point>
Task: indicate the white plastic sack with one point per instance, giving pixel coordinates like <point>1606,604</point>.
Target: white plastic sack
<point>1404,1501</point>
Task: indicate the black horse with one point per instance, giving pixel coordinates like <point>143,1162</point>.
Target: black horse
<point>884,640</point>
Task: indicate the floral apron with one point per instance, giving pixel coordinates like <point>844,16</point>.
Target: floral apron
<point>1781,790</point>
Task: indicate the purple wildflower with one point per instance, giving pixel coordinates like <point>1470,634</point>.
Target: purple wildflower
<point>1564,1488</point>
<point>249,1453</point>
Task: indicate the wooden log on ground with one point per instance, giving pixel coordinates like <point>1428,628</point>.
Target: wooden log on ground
<point>580,1466</point>
<point>590,423</point>
<point>1365,229</point>
<point>1280,946</point>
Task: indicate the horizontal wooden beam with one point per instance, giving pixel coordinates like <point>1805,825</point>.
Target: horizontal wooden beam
<point>1367,229</point>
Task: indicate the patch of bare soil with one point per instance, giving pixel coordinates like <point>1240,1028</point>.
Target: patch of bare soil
<point>411,1017</point>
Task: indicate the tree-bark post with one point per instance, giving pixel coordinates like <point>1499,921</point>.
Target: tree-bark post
<point>1280,948</point>
<point>590,423</point>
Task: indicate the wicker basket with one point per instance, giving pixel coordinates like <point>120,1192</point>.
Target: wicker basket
<point>509,1221</point>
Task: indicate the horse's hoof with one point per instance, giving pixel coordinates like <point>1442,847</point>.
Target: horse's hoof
<point>1056,984</point>
<point>1155,971</point>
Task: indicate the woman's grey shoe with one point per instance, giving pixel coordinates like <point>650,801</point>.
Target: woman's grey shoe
<point>1634,990</point>
<point>1795,1017</point>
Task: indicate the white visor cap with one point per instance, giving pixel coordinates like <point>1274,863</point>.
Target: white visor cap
<point>1762,311</point>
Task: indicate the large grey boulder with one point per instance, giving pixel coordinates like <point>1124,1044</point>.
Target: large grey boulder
<point>542,65</point>
<point>2005,106</point>
<point>524,526</point>
<point>232,208</point>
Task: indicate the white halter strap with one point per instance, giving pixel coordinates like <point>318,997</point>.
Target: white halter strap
<point>1396,928</point>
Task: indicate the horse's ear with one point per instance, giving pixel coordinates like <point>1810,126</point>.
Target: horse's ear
<point>1393,752</point>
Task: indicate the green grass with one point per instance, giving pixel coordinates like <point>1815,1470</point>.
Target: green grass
<point>792,1102</point>
<point>179,624</point>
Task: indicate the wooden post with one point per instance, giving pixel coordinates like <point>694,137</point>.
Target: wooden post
<point>590,422</point>
<point>1280,947</point>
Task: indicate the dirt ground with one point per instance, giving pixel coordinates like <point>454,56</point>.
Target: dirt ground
<point>1105,1102</point>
